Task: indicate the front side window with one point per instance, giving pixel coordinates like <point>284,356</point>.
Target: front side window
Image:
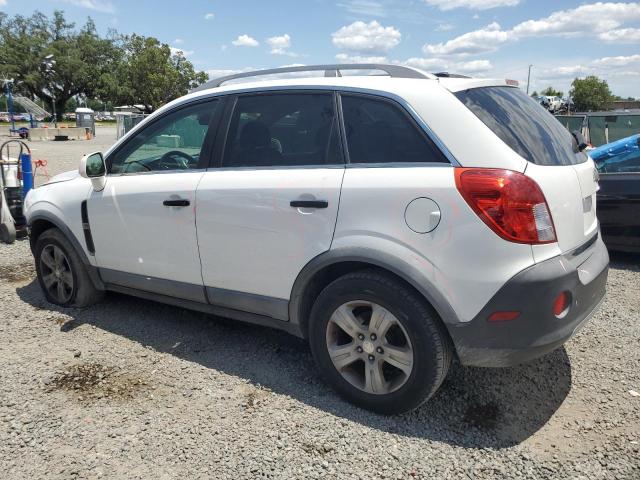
<point>283,129</point>
<point>378,131</point>
<point>174,142</point>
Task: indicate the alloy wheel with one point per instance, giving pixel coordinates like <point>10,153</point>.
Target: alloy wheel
<point>56,273</point>
<point>369,347</point>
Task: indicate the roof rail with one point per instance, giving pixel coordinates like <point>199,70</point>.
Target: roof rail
<point>450,75</point>
<point>395,71</point>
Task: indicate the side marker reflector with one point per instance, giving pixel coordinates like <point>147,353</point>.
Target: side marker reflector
<point>503,316</point>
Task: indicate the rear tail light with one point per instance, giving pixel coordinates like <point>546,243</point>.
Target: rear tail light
<point>510,203</point>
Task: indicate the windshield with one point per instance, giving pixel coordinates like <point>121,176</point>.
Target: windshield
<point>522,124</point>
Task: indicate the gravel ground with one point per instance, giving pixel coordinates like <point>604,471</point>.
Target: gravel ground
<point>63,156</point>
<point>134,389</point>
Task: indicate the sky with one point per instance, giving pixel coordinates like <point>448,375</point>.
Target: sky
<point>562,39</point>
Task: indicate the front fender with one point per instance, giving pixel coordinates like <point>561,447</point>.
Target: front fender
<point>51,218</point>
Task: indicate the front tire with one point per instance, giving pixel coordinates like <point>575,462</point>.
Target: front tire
<point>378,343</point>
<point>62,275</point>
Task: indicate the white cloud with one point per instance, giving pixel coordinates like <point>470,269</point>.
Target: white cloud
<point>617,61</point>
<point>487,39</point>
<point>444,27</point>
<point>472,4</point>
<point>621,35</point>
<point>595,18</point>
<point>604,67</point>
<point>344,58</point>
<point>442,65</point>
<point>626,73</point>
<point>474,66</point>
<point>3,3</point>
<point>601,20</point>
<point>569,71</point>
<point>280,45</point>
<point>178,41</point>
<point>364,7</point>
<point>366,37</point>
<point>433,64</point>
<point>176,51</point>
<point>97,5</point>
<point>217,73</point>
<point>209,16</point>
<point>245,41</point>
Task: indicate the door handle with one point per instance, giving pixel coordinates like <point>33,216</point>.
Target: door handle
<point>309,203</point>
<point>180,202</point>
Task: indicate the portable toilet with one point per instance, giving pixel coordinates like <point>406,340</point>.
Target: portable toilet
<point>85,117</point>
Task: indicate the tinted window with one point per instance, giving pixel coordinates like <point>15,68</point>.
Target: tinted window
<point>522,124</point>
<point>282,130</point>
<point>378,131</point>
<point>174,142</point>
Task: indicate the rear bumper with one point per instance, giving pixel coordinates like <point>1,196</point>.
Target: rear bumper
<point>532,292</point>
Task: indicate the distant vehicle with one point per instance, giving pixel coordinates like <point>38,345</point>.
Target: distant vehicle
<point>619,196</point>
<point>553,104</point>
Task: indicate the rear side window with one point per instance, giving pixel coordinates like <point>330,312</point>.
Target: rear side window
<point>378,131</point>
<point>283,129</point>
<point>522,124</point>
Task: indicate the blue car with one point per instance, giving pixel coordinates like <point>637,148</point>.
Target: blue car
<point>619,196</point>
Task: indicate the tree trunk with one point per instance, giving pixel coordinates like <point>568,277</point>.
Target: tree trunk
<point>60,103</point>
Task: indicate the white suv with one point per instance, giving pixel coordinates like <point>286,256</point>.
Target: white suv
<point>396,221</point>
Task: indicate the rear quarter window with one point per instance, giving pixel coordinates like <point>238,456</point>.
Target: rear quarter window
<point>522,124</point>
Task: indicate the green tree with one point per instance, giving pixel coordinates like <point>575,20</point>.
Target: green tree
<point>590,94</point>
<point>148,74</point>
<point>116,69</point>
<point>71,105</point>
<point>551,92</point>
<point>82,57</point>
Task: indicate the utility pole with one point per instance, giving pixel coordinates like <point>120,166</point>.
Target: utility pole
<point>529,78</point>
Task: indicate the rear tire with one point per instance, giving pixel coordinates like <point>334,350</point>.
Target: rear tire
<point>378,342</point>
<point>62,275</point>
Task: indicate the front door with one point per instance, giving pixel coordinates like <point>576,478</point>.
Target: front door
<point>271,205</point>
<point>143,222</point>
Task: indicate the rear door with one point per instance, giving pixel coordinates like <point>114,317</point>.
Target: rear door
<point>271,203</point>
<point>567,177</point>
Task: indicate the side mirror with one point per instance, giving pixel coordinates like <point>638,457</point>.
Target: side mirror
<point>92,166</point>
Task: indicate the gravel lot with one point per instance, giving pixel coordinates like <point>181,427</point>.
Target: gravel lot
<point>135,389</point>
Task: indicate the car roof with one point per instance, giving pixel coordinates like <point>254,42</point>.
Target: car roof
<point>368,82</point>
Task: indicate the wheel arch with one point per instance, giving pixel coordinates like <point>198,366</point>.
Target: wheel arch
<point>43,221</point>
<point>325,268</point>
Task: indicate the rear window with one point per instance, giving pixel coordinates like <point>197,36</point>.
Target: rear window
<point>522,124</point>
